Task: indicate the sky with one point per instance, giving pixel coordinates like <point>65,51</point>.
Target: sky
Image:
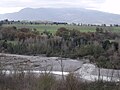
<point>111,6</point>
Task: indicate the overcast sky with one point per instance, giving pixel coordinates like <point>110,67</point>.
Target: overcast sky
<point>112,6</point>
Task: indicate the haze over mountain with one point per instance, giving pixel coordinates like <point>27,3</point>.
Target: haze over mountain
<point>77,15</point>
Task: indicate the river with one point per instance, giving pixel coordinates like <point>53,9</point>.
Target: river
<point>57,66</point>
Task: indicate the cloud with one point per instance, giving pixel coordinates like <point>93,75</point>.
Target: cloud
<point>102,5</point>
<point>9,9</point>
<point>50,3</point>
<point>112,6</point>
<point>15,5</point>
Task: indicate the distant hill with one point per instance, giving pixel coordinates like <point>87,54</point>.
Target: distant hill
<point>76,15</point>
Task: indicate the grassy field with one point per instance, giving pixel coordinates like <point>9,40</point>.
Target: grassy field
<point>53,28</point>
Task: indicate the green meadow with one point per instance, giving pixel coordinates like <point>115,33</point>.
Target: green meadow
<point>54,28</point>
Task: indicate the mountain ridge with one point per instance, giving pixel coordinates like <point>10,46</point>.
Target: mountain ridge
<point>76,15</point>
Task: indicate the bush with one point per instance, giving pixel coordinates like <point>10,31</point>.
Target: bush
<point>46,82</point>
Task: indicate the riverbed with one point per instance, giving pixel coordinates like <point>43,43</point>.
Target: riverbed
<point>57,66</point>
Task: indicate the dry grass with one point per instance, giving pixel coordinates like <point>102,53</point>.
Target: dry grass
<point>46,81</point>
